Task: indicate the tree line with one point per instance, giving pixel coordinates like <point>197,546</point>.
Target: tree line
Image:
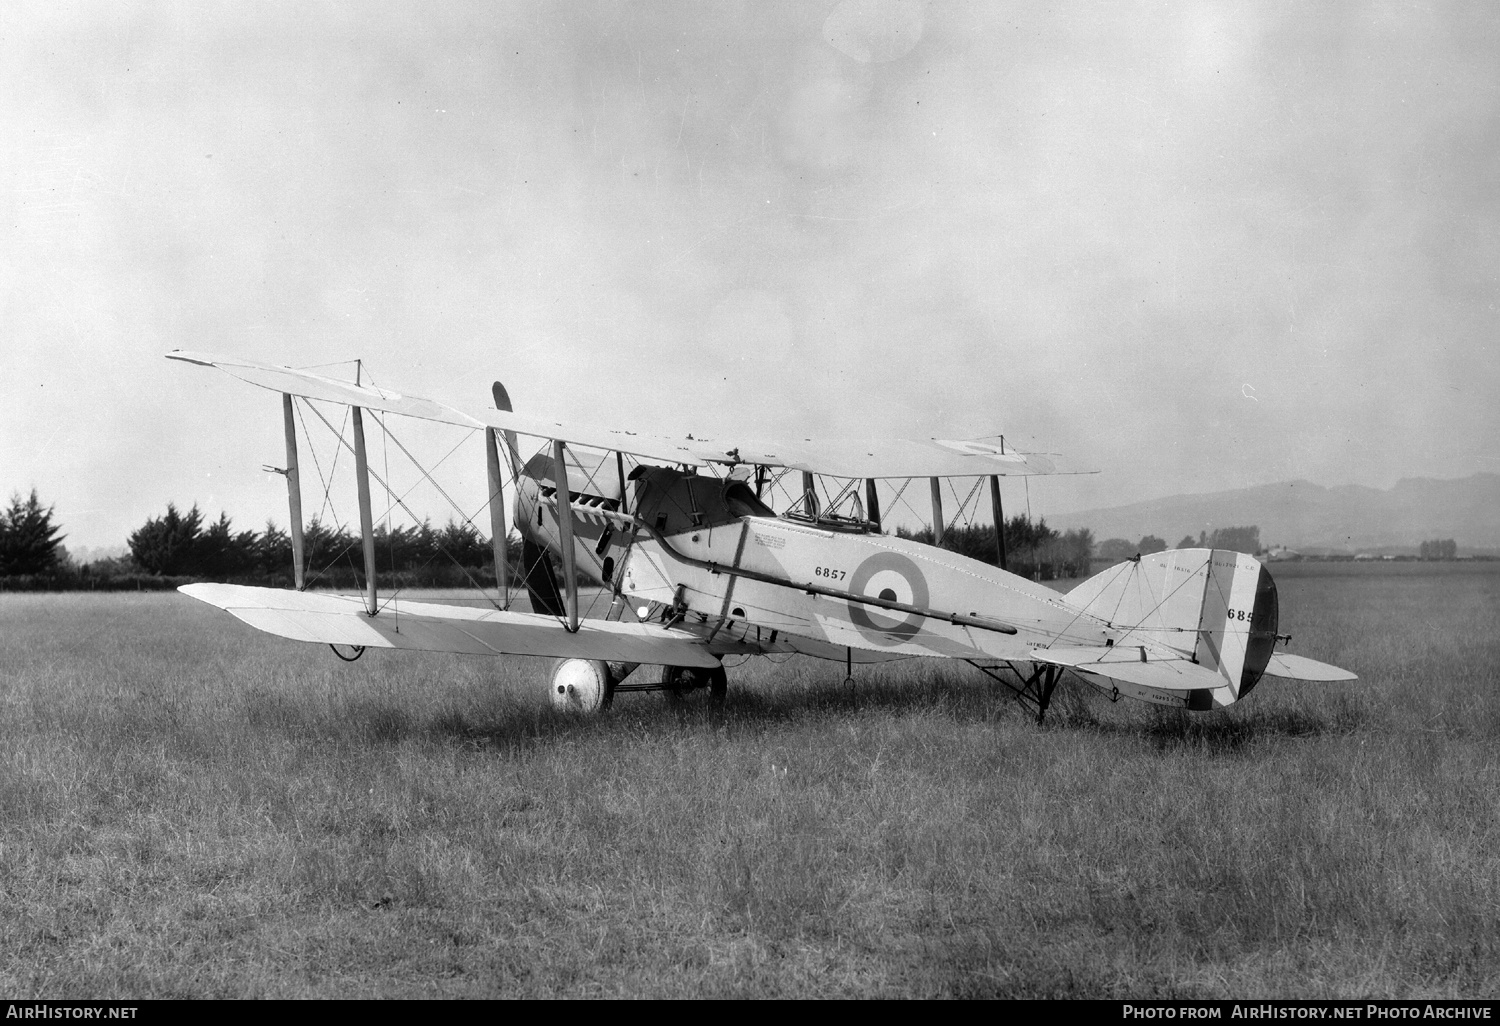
<point>30,543</point>
<point>179,547</point>
<point>1444,548</point>
<point>180,544</point>
<point>1032,549</point>
<point>1235,539</point>
<point>1038,551</point>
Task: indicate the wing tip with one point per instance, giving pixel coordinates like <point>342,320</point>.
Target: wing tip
<point>188,356</point>
<point>1285,666</point>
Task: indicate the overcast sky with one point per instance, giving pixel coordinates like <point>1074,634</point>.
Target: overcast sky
<point>1197,246</point>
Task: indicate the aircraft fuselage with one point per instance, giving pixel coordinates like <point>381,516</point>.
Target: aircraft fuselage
<point>705,551</point>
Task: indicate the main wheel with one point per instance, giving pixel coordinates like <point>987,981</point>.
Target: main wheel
<point>682,681</point>
<point>581,686</point>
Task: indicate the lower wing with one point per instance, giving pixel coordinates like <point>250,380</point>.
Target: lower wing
<point>429,627</point>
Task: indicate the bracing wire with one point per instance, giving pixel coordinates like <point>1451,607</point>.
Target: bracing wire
<point>963,506</point>
<point>468,520</point>
<point>327,483</point>
<point>899,499</point>
<point>392,501</point>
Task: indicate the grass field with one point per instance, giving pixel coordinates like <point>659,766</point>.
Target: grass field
<point>188,808</point>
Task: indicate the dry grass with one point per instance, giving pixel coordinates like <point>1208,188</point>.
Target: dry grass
<point>191,809</point>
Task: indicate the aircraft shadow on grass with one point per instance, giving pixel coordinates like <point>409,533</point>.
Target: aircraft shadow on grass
<point>954,700</point>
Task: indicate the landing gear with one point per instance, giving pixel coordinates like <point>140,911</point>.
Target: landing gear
<point>1036,687</point>
<point>583,686</point>
<point>587,686</point>
<point>681,681</point>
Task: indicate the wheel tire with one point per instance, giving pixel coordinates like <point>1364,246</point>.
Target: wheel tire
<point>682,681</point>
<point>583,687</point>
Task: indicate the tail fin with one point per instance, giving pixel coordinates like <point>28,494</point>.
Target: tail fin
<point>1214,607</point>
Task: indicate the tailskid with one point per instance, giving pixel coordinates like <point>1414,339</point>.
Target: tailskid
<point>1035,690</point>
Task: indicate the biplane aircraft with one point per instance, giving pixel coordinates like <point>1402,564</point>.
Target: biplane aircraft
<point>696,565</point>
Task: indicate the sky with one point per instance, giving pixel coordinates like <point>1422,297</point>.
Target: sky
<point>1192,246</point>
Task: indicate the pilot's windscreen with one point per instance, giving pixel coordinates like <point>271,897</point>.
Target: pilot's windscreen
<point>741,501</point>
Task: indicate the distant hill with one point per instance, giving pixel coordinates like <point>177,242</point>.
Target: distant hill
<point>1313,519</point>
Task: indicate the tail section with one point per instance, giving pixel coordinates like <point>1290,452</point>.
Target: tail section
<point>1212,607</point>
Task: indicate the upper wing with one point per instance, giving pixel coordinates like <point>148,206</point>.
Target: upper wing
<point>847,458</point>
<point>420,626</point>
<point>898,457</point>
<point>316,386</point>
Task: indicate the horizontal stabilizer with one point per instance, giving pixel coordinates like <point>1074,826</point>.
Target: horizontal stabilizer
<point>1297,667</point>
<point>1124,663</point>
<point>429,627</point>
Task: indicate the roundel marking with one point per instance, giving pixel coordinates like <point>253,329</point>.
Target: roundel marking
<point>969,447</point>
<point>894,578</point>
<point>975,447</point>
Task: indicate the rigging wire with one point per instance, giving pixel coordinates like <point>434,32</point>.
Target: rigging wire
<point>901,500</point>
<point>964,505</point>
<point>468,520</point>
<point>327,483</point>
<point>332,467</point>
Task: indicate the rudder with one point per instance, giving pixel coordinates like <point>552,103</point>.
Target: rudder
<point>1213,606</point>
